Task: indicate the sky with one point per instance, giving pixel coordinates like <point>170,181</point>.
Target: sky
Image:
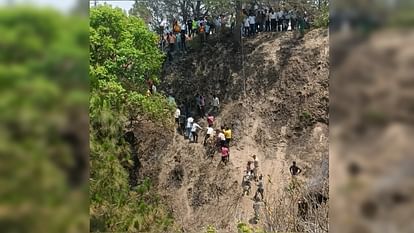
<point>66,5</point>
<point>125,5</point>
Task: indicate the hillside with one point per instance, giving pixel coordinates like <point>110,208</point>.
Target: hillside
<point>281,117</point>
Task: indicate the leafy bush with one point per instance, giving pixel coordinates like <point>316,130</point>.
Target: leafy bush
<point>322,17</point>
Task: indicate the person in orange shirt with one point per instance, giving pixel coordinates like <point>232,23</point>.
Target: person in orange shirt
<point>202,32</point>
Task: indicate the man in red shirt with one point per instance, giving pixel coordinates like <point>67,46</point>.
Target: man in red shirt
<point>225,155</point>
<point>210,120</point>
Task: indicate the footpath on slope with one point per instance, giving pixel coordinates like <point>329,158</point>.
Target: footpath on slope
<point>282,83</point>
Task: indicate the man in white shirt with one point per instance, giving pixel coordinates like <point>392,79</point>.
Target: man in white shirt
<point>222,138</point>
<point>216,104</point>
<point>273,20</point>
<point>194,133</point>
<point>188,127</point>
<point>177,116</point>
<point>252,22</point>
<point>280,17</point>
<point>209,133</point>
<point>267,20</point>
<point>246,26</point>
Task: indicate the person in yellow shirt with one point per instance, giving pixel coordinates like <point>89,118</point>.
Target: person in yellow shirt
<point>227,134</point>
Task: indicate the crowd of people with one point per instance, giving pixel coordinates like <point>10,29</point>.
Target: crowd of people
<point>221,138</point>
<point>190,128</point>
<point>175,38</point>
<point>269,20</point>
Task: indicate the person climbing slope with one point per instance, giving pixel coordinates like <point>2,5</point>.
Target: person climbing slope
<point>225,155</point>
<point>227,135</point>
<point>246,184</point>
<point>260,188</point>
<point>216,104</point>
<point>194,132</point>
<point>255,167</point>
<point>210,120</point>
<point>221,138</point>
<point>294,170</point>
<point>188,127</point>
<point>182,124</point>
<point>209,134</point>
<point>256,207</point>
<point>177,116</point>
<point>249,168</point>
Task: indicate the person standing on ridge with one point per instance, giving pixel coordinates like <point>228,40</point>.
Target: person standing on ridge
<point>252,22</point>
<point>273,20</point>
<point>246,27</point>
<point>178,41</point>
<point>207,27</point>
<point>194,132</point>
<point>267,21</point>
<point>202,33</point>
<point>279,20</point>
<point>189,27</point>
<point>194,27</point>
<point>183,42</point>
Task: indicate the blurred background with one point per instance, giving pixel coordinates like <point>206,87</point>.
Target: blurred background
<point>44,91</point>
<point>371,116</point>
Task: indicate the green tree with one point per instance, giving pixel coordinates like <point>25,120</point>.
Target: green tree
<point>123,54</point>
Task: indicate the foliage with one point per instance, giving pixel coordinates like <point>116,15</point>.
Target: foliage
<point>123,53</point>
<point>243,228</point>
<point>322,17</point>
<point>43,89</point>
<point>211,229</point>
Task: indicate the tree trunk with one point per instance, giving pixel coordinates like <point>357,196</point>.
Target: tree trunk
<point>239,19</point>
<point>197,9</point>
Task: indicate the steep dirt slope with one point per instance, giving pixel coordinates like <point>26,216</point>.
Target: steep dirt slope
<point>283,117</point>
